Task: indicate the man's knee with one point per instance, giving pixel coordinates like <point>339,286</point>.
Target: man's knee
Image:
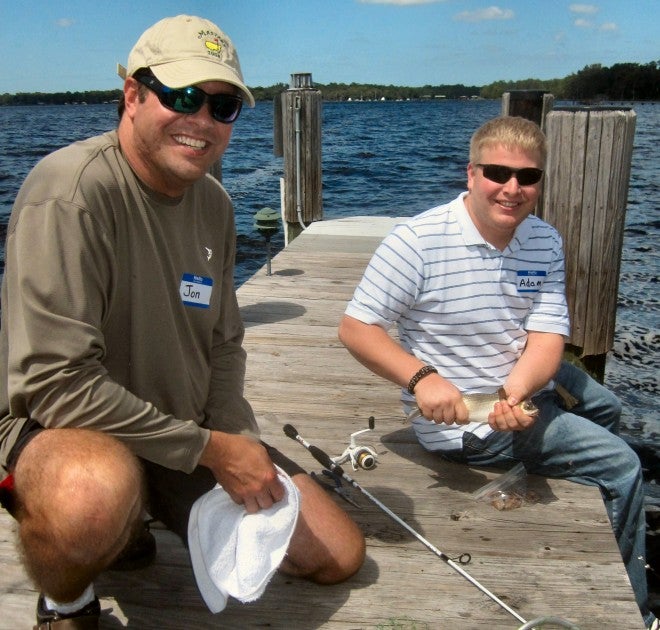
<point>79,494</point>
<point>328,546</point>
<point>579,382</point>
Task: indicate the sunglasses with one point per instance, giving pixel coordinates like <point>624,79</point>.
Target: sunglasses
<point>502,174</point>
<point>225,108</point>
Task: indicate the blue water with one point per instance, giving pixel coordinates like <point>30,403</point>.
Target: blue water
<point>378,158</point>
<point>398,159</point>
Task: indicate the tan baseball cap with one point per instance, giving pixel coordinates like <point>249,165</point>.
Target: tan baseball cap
<point>185,50</point>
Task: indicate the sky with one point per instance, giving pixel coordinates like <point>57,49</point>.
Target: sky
<point>74,45</point>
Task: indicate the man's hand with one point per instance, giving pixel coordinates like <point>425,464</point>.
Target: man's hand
<point>241,465</point>
<point>508,416</point>
<point>440,401</point>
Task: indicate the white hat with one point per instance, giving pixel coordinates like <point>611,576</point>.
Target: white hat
<point>185,50</point>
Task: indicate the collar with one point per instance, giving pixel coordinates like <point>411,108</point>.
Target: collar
<point>469,231</point>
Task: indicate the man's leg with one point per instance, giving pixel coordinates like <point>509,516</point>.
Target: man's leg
<point>595,402</point>
<point>578,449</point>
<point>78,500</point>
<point>326,547</point>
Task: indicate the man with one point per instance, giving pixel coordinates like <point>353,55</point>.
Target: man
<point>122,369</point>
<point>476,290</point>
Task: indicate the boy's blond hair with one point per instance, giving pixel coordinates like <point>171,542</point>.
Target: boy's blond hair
<point>511,132</point>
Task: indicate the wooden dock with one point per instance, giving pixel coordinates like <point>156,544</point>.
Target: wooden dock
<point>553,557</point>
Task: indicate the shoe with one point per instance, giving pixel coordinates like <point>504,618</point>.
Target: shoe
<point>87,618</point>
<point>138,554</point>
<point>655,625</point>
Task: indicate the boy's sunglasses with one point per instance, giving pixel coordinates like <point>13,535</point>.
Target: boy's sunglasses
<point>225,108</point>
<point>502,174</point>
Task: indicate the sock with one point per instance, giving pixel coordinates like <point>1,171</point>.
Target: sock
<point>66,608</point>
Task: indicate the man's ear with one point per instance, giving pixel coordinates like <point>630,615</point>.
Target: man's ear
<point>131,95</point>
<point>470,175</point>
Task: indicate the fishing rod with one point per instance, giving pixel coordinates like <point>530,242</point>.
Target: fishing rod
<point>323,458</point>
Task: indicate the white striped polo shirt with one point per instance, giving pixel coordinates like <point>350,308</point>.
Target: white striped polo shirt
<point>462,305</point>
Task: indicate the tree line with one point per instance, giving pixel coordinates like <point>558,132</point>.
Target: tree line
<point>620,82</point>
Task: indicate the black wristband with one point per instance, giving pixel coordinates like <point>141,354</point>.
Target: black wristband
<point>419,375</point>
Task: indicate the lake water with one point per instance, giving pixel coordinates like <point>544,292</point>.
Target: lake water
<point>398,159</point>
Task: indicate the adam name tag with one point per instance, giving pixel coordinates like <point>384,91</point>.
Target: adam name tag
<point>196,290</point>
<point>530,280</point>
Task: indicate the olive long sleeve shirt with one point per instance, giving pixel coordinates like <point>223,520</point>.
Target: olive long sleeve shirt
<point>118,308</point>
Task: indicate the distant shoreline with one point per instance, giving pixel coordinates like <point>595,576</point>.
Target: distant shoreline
<point>622,82</point>
<point>584,103</point>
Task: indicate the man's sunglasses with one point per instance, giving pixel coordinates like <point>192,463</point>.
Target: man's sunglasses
<point>502,174</point>
<point>225,108</point>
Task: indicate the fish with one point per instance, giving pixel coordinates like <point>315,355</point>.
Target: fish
<point>480,405</point>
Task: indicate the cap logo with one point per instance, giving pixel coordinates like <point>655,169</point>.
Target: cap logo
<point>212,41</point>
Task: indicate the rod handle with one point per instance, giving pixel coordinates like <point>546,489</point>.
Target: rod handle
<point>290,431</point>
<point>323,459</point>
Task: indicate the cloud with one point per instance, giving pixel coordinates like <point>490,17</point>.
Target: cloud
<point>402,3</point>
<point>481,15</point>
<point>64,22</point>
<point>585,22</point>
<point>587,9</point>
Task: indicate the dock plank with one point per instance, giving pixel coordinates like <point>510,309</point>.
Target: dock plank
<point>554,556</point>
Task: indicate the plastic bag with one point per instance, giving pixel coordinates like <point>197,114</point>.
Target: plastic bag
<point>508,491</point>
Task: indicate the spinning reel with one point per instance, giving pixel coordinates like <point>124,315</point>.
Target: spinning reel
<point>359,455</point>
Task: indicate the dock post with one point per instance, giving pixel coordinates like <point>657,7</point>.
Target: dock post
<point>302,200</point>
<point>216,170</point>
<point>531,104</point>
<point>585,198</point>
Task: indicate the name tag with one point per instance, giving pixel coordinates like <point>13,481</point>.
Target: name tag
<point>196,290</point>
<point>530,280</point>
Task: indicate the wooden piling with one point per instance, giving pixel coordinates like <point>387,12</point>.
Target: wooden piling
<point>531,104</point>
<point>301,148</point>
<point>585,198</point>
<point>278,141</point>
<point>216,170</point>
